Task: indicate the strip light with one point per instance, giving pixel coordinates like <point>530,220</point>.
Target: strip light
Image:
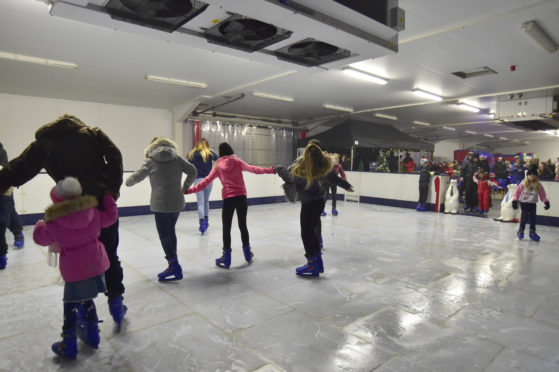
<point>364,76</point>
<point>338,108</point>
<point>503,138</point>
<point>385,116</point>
<point>421,123</point>
<point>534,30</point>
<point>37,60</point>
<point>488,135</point>
<point>470,132</point>
<point>424,94</point>
<point>466,107</point>
<point>271,96</point>
<point>167,80</point>
<point>449,128</point>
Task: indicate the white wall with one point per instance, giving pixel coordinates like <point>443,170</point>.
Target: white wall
<point>544,149</point>
<point>131,128</point>
<point>444,150</point>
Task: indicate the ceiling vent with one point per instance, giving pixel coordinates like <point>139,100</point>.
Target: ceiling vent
<point>311,52</point>
<point>245,33</point>
<point>165,15</point>
<point>480,71</point>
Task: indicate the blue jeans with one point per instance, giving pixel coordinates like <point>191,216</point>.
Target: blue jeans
<point>165,223</point>
<point>203,199</point>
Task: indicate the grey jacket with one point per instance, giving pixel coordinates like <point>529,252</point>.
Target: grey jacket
<point>165,169</point>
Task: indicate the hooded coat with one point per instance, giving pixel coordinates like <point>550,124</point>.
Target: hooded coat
<point>67,147</point>
<point>75,225</point>
<point>164,168</point>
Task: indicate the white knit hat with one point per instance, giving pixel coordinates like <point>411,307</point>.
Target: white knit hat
<point>67,188</point>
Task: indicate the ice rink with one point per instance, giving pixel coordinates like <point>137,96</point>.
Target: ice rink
<point>402,291</point>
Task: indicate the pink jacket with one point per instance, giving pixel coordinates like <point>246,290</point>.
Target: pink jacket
<point>524,195</point>
<point>229,169</point>
<point>75,225</point>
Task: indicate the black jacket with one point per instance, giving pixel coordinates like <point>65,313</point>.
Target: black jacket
<point>3,156</point>
<point>500,170</point>
<point>67,147</point>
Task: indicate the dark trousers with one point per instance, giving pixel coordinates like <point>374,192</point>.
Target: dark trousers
<point>528,215</point>
<point>423,192</point>
<point>333,189</point>
<point>310,219</point>
<point>114,275</point>
<point>471,193</point>
<point>240,204</point>
<point>15,224</point>
<point>3,244</point>
<point>165,223</point>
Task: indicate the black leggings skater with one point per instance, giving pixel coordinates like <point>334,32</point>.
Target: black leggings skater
<point>333,189</point>
<point>240,204</point>
<point>528,215</point>
<point>310,218</point>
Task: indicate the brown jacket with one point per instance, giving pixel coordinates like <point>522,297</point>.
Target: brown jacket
<point>67,147</point>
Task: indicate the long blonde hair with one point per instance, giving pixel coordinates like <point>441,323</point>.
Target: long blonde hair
<point>315,163</point>
<point>531,186</point>
<point>203,147</point>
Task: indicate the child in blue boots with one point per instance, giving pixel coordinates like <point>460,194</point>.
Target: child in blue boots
<point>72,227</point>
<point>527,193</point>
<point>311,175</point>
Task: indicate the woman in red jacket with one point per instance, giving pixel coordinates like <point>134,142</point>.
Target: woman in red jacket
<point>229,169</point>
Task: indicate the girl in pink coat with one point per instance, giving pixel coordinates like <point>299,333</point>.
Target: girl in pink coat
<point>229,169</point>
<point>72,227</point>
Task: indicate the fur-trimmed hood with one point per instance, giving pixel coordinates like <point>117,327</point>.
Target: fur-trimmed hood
<point>162,149</point>
<point>66,212</point>
<point>65,123</point>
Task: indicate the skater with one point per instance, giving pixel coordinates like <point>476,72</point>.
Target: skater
<point>203,157</point>
<point>424,180</point>
<point>6,204</point>
<point>527,193</point>
<point>15,225</point>
<point>484,185</point>
<point>311,175</point>
<point>337,169</point>
<point>69,147</point>
<point>165,168</point>
<point>229,169</point>
<point>71,227</point>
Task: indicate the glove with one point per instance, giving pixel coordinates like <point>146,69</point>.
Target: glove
<point>546,207</point>
<point>515,204</point>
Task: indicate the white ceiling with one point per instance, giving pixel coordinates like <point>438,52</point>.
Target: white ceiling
<point>441,36</point>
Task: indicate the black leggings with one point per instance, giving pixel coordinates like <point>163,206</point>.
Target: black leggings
<point>310,219</point>
<point>528,215</point>
<point>334,190</point>
<point>240,204</point>
<point>114,275</point>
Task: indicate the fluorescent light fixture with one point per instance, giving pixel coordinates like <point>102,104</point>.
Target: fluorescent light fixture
<point>424,94</point>
<point>167,80</point>
<point>364,76</point>
<point>503,138</point>
<point>470,132</point>
<point>466,107</point>
<point>271,96</point>
<point>37,60</point>
<point>449,128</point>
<point>534,30</point>
<point>385,116</point>
<point>488,135</point>
<point>421,123</point>
<point>338,108</point>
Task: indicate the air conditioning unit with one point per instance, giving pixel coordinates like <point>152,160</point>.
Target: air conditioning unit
<point>325,33</point>
<point>532,114</point>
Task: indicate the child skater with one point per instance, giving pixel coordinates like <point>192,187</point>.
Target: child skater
<point>6,205</point>
<point>165,168</point>
<point>527,193</point>
<point>484,184</point>
<point>424,180</point>
<point>311,175</point>
<point>337,169</point>
<point>73,225</point>
<point>203,157</point>
<point>229,169</point>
